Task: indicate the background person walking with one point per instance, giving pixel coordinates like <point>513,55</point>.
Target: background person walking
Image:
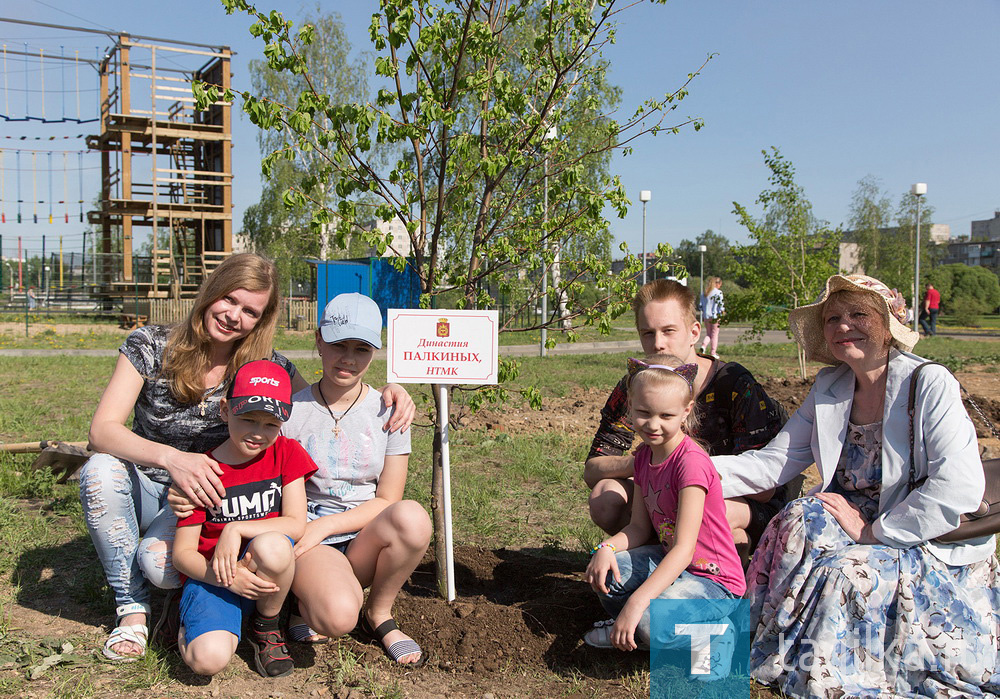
<point>712,309</point>
<point>932,303</point>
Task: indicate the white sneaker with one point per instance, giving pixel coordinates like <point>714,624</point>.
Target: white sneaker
<point>600,635</point>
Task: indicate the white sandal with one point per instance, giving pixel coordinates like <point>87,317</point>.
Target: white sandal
<point>132,633</point>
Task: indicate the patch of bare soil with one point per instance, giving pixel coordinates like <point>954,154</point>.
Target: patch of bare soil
<point>578,414</point>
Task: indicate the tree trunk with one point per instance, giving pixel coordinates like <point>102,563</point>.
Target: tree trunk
<point>557,285</point>
<point>324,241</point>
<point>437,500</point>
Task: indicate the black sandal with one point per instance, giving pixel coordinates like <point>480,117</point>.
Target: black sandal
<point>399,649</point>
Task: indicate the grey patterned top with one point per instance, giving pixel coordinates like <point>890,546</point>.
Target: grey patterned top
<point>158,416</point>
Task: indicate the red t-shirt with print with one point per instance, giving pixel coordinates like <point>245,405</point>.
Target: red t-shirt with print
<point>253,490</point>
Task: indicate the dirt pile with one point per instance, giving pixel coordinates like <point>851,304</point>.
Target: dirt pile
<point>513,607</point>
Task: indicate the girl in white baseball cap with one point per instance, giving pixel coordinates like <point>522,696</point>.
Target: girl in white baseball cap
<point>361,533</point>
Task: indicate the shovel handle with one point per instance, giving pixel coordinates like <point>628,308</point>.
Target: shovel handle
<point>33,447</point>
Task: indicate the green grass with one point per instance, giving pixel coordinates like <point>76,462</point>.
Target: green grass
<point>982,323</point>
<point>44,334</point>
<point>50,397</point>
<point>102,338</point>
<point>42,316</point>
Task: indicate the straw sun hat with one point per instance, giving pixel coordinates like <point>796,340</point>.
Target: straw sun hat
<point>806,322</point>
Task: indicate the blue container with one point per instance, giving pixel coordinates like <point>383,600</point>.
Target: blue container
<point>372,276</point>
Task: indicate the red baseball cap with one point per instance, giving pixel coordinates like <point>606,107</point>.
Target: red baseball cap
<point>261,385</point>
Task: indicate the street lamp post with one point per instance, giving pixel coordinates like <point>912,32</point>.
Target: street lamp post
<point>918,190</point>
<point>552,132</point>
<point>644,196</point>
<point>701,311</point>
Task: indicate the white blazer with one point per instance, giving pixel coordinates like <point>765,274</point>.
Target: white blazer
<point>947,456</point>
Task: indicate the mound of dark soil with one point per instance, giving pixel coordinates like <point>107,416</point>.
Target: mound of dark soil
<point>513,608</point>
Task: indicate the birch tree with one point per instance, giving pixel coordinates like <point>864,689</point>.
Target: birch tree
<point>462,106</point>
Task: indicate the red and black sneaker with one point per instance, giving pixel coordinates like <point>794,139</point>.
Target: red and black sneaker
<point>270,655</point>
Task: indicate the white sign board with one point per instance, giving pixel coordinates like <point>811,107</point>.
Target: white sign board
<point>441,346</point>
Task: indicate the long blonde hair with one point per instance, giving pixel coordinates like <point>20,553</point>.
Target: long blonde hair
<point>188,351</point>
<point>710,284</point>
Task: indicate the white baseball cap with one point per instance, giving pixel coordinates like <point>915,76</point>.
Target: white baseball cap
<point>352,317</point>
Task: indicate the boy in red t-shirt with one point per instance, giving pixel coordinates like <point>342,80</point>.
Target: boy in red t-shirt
<point>260,517</point>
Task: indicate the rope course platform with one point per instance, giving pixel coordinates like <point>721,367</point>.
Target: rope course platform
<point>166,169</point>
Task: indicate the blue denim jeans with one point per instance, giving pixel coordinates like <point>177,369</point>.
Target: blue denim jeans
<point>931,315</point>
<point>130,525</point>
<point>636,565</point>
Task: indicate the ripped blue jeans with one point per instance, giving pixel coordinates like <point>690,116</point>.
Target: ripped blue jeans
<point>636,565</point>
<point>131,526</point>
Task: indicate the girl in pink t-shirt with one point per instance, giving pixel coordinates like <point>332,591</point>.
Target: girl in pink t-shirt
<point>678,499</point>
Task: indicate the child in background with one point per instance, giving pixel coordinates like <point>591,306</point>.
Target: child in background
<point>712,308</point>
<point>262,514</point>
<point>678,496</point>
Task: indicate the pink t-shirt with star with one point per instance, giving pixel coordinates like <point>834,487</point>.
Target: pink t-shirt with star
<point>715,554</point>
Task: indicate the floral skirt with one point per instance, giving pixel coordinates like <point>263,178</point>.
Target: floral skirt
<point>837,618</point>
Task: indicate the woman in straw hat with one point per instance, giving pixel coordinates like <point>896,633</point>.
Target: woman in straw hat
<point>853,595</point>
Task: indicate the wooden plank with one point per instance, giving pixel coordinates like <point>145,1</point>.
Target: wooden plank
<point>177,49</point>
<point>213,173</point>
<point>227,155</point>
<point>214,183</point>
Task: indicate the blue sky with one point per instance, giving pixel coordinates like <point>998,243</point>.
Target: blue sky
<point>900,89</point>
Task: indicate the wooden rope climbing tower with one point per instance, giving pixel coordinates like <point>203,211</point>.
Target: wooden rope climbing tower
<point>164,214</point>
<point>165,166</point>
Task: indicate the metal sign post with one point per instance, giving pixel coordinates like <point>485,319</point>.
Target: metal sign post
<point>443,348</point>
<point>446,477</point>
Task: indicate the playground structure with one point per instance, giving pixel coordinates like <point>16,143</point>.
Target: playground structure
<point>166,169</point>
<point>182,191</point>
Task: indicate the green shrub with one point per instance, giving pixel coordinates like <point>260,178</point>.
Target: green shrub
<point>965,310</point>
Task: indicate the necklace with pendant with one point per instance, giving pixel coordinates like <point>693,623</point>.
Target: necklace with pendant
<point>336,420</point>
<point>208,394</point>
